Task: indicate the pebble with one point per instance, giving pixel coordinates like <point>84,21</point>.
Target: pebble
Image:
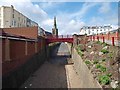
<point>89,46</point>
<point>106,47</point>
<point>30,84</point>
<point>100,53</point>
<point>114,84</point>
<point>119,69</point>
<point>92,52</point>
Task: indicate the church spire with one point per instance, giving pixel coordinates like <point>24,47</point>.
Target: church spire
<point>55,25</point>
<point>54,29</point>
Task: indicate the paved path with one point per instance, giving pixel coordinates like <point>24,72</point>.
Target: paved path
<point>54,73</point>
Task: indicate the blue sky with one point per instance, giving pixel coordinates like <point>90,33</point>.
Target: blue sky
<point>71,16</point>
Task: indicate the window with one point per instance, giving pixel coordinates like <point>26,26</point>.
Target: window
<point>13,15</point>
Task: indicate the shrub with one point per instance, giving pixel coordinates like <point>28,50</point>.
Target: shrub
<point>98,66</point>
<point>87,62</point>
<point>104,79</point>
<point>104,51</point>
<point>102,68</point>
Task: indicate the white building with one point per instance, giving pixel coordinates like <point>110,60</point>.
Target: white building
<point>92,30</point>
<point>9,17</point>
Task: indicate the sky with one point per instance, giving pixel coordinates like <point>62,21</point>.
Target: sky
<point>71,16</point>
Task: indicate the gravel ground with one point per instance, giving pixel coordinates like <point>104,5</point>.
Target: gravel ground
<point>55,73</point>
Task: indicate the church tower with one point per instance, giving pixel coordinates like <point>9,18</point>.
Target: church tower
<point>54,29</point>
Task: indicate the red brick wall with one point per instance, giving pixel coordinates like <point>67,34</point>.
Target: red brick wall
<point>3,50</point>
<point>17,49</point>
<point>29,32</point>
<point>31,48</point>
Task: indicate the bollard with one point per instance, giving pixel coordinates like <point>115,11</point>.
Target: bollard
<point>113,41</point>
<point>103,39</point>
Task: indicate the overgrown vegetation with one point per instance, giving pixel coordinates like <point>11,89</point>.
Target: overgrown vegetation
<point>80,52</point>
<point>104,79</point>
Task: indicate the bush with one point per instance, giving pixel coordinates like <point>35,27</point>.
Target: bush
<point>104,79</point>
<point>87,62</point>
<point>104,51</point>
<point>102,68</point>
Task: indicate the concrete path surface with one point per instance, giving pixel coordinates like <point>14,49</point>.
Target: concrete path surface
<point>55,73</point>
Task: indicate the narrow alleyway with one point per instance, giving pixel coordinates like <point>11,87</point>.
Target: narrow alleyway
<point>54,73</point>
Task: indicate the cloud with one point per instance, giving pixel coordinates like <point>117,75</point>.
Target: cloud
<point>105,8</point>
<point>67,23</point>
<point>84,9</point>
<point>33,12</point>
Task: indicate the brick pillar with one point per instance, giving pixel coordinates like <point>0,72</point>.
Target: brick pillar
<point>36,47</point>
<point>7,50</point>
<point>26,47</point>
<point>75,40</point>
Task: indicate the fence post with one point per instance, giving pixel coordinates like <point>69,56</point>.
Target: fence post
<point>113,41</point>
<point>103,39</point>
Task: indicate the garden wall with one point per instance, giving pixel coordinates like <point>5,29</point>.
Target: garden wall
<point>86,77</point>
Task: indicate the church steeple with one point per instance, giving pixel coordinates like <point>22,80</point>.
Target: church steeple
<point>54,29</point>
<point>55,25</point>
